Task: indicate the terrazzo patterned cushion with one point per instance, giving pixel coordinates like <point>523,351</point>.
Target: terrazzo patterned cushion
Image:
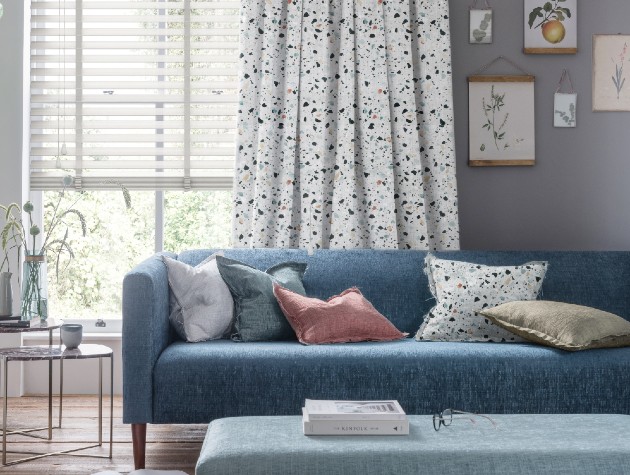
<point>461,289</point>
<point>258,316</point>
<point>343,318</point>
<point>562,325</point>
<point>202,306</point>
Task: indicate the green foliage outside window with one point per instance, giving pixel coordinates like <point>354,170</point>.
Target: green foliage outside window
<point>118,239</point>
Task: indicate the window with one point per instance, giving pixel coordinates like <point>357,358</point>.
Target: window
<point>141,94</point>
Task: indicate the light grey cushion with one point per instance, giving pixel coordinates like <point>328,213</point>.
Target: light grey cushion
<point>462,289</point>
<point>203,307</point>
<point>258,315</point>
<point>561,325</point>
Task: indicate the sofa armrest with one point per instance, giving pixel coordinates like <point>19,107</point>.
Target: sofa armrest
<point>145,334</point>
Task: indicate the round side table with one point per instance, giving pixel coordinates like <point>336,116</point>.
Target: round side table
<point>51,353</point>
<point>49,325</point>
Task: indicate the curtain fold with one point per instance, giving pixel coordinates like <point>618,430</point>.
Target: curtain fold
<point>345,128</point>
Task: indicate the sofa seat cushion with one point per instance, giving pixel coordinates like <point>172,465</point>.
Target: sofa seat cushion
<point>198,383</point>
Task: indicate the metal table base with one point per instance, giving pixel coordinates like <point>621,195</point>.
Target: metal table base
<point>50,326</point>
<point>52,353</point>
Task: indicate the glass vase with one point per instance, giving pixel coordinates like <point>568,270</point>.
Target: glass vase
<point>34,288</point>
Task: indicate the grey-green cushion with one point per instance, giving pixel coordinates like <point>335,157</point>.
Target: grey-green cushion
<point>258,315</point>
<point>561,325</point>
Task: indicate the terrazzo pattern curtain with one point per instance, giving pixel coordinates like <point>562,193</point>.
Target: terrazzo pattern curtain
<point>345,126</point>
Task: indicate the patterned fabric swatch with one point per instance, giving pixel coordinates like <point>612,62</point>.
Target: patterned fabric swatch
<point>462,289</point>
<point>345,126</point>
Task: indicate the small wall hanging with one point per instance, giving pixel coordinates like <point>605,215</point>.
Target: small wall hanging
<point>550,27</point>
<point>611,55</point>
<point>480,23</point>
<point>501,119</point>
<point>565,104</point>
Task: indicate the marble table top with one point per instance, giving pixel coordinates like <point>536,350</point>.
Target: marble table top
<point>36,326</point>
<point>54,352</point>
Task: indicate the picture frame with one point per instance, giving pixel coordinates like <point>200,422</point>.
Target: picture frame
<point>480,20</point>
<point>611,69</point>
<point>565,109</point>
<point>550,27</point>
<point>501,121</point>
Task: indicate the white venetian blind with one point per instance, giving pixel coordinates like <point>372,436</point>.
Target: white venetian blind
<point>138,92</point>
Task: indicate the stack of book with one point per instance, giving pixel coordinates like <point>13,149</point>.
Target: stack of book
<point>327,417</point>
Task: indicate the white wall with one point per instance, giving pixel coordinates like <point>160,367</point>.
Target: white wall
<point>13,187</point>
<point>13,183</point>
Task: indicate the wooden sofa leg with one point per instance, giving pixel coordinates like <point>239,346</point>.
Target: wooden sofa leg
<point>139,439</point>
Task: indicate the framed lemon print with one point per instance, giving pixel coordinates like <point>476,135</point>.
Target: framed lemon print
<point>550,27</point>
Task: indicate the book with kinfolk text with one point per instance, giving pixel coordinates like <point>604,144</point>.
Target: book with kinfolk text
<point>354,410</point>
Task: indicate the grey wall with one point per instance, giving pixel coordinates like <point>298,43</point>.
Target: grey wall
<point>577,196</point>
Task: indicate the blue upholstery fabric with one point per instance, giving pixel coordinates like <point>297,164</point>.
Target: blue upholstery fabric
<point>169,382</point>
<point>146,332</point>
<point>223,378</point>
<point>522,445</point>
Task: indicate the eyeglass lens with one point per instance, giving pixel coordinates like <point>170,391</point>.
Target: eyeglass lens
<point>447,417</point>
<point>442,418</point>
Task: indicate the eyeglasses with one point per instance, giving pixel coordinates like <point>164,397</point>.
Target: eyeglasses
<point>445,418</point>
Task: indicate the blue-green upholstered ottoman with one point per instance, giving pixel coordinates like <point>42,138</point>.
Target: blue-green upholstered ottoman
<point>521,444</point>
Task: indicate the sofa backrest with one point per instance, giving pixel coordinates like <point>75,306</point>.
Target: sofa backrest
<point>395,283</point>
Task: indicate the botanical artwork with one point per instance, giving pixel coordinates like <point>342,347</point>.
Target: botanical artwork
<point>481,26</point>
<point>551,26</point>
<point>564,107</point>
<point>611,55</point>
<point>501,120</point>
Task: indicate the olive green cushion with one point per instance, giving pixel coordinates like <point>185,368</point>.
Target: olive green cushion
<point>561,325</point>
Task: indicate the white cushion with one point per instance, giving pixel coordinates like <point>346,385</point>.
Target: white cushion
<point>203,308</point>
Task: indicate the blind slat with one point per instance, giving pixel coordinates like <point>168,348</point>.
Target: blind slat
<point>132,45</point>
<point>137,99</point>
<point>88,111</point>
<point>134,152</point>
<point>115,31</point>
<point>118,84</point>
<point>138,164</point>
<point>109,5</point>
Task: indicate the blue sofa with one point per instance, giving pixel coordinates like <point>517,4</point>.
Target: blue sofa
<point>166,380</point>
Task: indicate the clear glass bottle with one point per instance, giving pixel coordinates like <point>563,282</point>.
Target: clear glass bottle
<point>34,287</point>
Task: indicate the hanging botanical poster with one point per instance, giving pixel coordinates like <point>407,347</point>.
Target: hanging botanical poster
<point>501,125</point>
<point>611,68</point>
<point>480,26</point>
<point>550,27</point>
<point>565,104</point>
<point>564,109</point>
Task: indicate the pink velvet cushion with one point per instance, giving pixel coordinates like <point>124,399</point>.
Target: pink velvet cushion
<point>346,317</point>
